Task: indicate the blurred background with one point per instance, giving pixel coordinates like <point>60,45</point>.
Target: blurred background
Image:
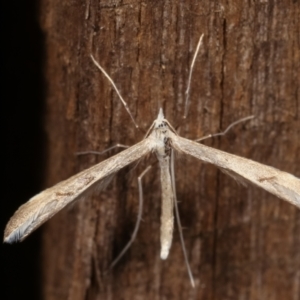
<point>22,139</point>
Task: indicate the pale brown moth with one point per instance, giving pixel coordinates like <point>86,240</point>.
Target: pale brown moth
<point>162,140</point>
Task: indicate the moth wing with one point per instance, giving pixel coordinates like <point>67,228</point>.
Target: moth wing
<point>279,183</point>
<point>44,205</point>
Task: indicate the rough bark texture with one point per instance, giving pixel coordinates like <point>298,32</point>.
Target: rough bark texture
<point>243,243</point>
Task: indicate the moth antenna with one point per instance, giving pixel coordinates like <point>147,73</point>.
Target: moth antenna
<point>226,130</point>
<point>138,221</point>
<point>187,92</point>
<point>116,89</point>
<point>179,223</point>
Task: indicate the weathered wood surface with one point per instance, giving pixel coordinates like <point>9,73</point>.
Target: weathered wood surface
<point>242,242</point>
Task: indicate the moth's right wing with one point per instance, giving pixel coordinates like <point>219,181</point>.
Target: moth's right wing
<point>284,185</point>
<point>44,205</point>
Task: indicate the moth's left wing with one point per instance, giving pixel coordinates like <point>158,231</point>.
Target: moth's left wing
<point>44,205</point>
<point>279,183</point>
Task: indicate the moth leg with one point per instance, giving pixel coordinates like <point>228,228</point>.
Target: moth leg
<point>226,130</point>
<point>179,223</point>
<point>138,221</point>
<point>102,152</point>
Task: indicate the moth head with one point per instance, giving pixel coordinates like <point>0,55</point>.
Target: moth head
<point>160,122</point>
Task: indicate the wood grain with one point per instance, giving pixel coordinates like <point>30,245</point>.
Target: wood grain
<point>242,243</point>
